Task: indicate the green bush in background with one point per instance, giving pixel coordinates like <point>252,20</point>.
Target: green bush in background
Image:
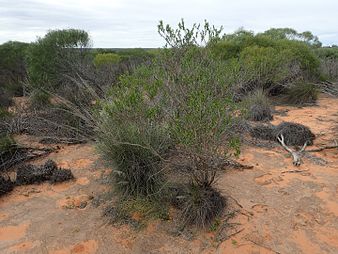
<point>106,59</point>
<point>51,57</point>
<point>13,67</point>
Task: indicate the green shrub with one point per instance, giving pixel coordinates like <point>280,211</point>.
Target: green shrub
<point>106,59</point>
<point>301,93</point>
<point>232,45</point>
<point>134,154</point>
<point>200,100</point>
<point>180,101</point>
<point>263,67</point>
<point>132,137</point>
<point>304,55</point>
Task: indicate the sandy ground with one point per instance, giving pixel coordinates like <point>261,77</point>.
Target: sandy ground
<point>279,208</point>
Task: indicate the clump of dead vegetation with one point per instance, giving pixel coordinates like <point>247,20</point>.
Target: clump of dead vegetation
<point>294,134</point>
<point>32,174</point>
<point>12,154</point>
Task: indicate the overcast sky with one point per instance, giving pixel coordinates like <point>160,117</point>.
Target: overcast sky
<point>133,23</point>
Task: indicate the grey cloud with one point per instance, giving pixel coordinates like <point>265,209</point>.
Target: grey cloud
<point>132,23</point>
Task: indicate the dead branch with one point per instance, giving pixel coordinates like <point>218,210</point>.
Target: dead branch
<point>295,171</point>
<point>22,154</point>
<point>324,148</point>
<point>296,155</point>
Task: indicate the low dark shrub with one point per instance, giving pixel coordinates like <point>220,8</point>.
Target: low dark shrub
<point>199,201</point>
<point>301,93</point>
<point>258,106</point>
<point>30,174</point>
<point>259,112</point>
<point>61,175</point>
<point>6,185</point>
<point>262,131</point>
<point>201,204</point>
<point>50,166</point>
<point>7,151</point>
<point>294,134</point>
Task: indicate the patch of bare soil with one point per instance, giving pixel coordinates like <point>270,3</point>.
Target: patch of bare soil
<point>279,208</point>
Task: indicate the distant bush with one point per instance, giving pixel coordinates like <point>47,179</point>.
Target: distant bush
<point>301,93</point>
<point>328,62</point>
<point>327,52</point>
<point>106,59</point>
<point>13,67</point>
<point>266,61</point>
<point>291,34</point>
<point>133,53</point>
<point>55,55</point>
<point>263,67</point>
